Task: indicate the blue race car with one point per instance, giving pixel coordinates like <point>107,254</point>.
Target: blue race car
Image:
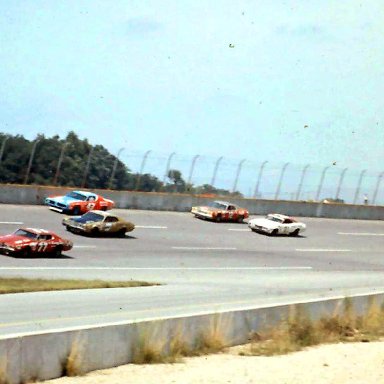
<point>78,202</point>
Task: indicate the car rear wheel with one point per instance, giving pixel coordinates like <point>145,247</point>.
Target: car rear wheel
<point>218,218</point>
<point>240,219</point>
<point>295,232</point>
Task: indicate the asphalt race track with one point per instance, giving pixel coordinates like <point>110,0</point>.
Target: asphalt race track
<point>203,267</point>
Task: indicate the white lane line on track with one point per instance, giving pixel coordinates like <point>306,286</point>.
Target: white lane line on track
<point>360,234</point>
<point>321,250</point>
<point>12,222</point>
<point>239,229</point>
<point>205,248</point>
<point>156,268</point>
<point>151,226</point>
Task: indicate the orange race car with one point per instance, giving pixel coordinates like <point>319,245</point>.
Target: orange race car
<point>220,211</point>
<point>78,202</point>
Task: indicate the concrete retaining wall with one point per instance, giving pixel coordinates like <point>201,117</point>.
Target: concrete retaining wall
<point>16,194</point>
<point>24,358</point>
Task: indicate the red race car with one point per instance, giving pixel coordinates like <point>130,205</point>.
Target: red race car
<point>28,241</point>
<point>78,202</point>
<point>220,211</point>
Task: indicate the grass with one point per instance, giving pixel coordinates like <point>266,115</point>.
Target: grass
<point>19,285</point>
<point>299,331</point>
<point>73,366</point>
<point>153,348</point>
<point>3,371</point>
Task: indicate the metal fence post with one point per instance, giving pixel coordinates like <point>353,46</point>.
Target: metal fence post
<point>280,180</point>
<point>83,182</point>
<point>168,166</point>
<point>237,175</point>
<point>377,187</point>
<point>141,169</point>
<point>359,185</point>
<point>215,170</point>
<point>303,172</point>
<point>3,146</point>
<point>57,173</point>
<point>30,161</point>
<point>340,182</point>
<point>321,183</point>
<point>255,193</point>
<point>192,168</point>
<point>114,168</point>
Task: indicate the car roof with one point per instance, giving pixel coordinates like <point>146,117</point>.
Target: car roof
<point>223,202</point>
<point>280,216</point>
<point>102,213</point>
<point>85,193</point>
<point>37,231</point>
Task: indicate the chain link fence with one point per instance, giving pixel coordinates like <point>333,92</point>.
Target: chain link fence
<point>264,179</point>
<point>253,179</point>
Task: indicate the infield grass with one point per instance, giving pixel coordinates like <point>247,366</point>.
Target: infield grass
<point>19,285</point>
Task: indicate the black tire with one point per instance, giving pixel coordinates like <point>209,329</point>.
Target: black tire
<point>68,228</point>
<point>274,232</point>
<point>218,219</point>
<point>57,251</point>
<point>103,208</point>
<point>95,232</point>
<point>295,232</point>
<point>240,219</point>
<point>122,232</point>
<point>26,252</point>
<point>76,211</point>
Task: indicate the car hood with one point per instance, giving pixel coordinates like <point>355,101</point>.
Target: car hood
<point>63,199</point>
<point>15,239</point>
<point>265,223</point>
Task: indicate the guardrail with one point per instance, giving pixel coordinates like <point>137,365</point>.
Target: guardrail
<point>43,356</point>
<point>20,194</point>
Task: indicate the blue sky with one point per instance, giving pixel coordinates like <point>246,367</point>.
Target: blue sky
<point>284,81</point>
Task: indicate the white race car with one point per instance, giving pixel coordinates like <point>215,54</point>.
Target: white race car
<point>276,224</point>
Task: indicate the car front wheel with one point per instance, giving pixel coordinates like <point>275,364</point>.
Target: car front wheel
<point>26,252</point>
<point>58,251</point>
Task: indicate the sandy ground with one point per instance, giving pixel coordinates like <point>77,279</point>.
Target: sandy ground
<point>355,363</point>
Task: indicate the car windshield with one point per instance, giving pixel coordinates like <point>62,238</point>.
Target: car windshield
<point>77,196</point>
<point>23,232</point>
<point>91,216</point>
<point>217,205</point>
<point>274,218</point>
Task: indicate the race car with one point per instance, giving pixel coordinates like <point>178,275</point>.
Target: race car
<point>220,211</point>
<point>26,242</point>
<point>78,202</point>
<point>97,223</point>
<point>276,224</point>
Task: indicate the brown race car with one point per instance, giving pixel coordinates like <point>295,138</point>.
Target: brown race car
<point>220,211</point>
<point>98,223</point>
<point>26,242</point>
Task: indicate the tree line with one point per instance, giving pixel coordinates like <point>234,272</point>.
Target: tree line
<point>74,162</point>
